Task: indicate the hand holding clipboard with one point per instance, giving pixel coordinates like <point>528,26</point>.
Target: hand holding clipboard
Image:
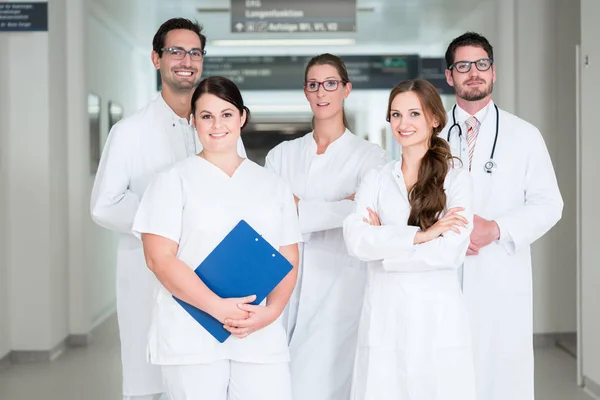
<point>242,264</point>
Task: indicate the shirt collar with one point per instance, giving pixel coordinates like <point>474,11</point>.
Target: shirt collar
<point>167,113</point>
<point>462,115</point>
<point>337,143</point>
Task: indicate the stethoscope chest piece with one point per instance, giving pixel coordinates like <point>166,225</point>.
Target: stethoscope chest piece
<point>489,166</point>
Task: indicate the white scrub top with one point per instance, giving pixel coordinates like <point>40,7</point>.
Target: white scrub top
<point>196,205</point>
<point>325,308</point>
<point>414,339</point>
<point>139,146</point>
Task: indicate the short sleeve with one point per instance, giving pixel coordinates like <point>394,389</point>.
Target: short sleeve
<point>290,226</point>
<point>161,209</point>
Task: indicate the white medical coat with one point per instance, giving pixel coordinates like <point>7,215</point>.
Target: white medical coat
<point>325,308</point>
<point>137,147</point>
<point>414,341</point>
<point>522,196</point>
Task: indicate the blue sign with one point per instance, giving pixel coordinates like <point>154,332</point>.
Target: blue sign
<point>18,17</point>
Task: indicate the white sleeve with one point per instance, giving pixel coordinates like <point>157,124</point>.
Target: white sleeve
<point>273,160</point>
<point>543,203</point>
<point>161,209</point>
<point>113,205</point>
<point>367,242</point>
<point>318,216</point>
<point>449,250</point>
<point>289,226</point>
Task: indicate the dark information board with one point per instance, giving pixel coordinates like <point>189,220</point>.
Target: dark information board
<point>287,72</point>
<point>291,16</point>
<point>23,16</point>
<point>434,70</point>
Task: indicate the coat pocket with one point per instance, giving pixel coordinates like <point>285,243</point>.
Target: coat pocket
<point>378,317</point>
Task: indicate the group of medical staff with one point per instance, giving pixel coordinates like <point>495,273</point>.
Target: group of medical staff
<point>411,279</point>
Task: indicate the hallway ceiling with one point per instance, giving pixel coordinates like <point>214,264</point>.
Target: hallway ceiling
<point>406,22</point>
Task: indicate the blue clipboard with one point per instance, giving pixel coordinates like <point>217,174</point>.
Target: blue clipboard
<point>241,265</point>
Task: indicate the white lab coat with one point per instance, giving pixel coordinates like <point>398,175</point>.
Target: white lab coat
<point>325,307</point>
<point>414,341</point>
<point>522,196</point>
<point>196,204</point>
<point>137,147</point>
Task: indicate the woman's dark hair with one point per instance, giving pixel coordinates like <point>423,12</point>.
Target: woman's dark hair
<point>337,63</point>
<point>468,39</point>
<point>427,197</point>
<point>176,23</point>
<point>224,89</point>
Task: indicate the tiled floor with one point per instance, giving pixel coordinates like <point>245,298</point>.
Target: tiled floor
<point>93,373</point>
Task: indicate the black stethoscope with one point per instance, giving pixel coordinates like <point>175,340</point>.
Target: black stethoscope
<point>490,165</point>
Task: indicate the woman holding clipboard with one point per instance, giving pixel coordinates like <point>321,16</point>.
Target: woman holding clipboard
<point>184,214</point>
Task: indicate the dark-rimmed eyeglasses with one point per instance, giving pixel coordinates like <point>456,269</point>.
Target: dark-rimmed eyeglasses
<point>329,85</point>
<point>465,66</point>
<point>178,53</point>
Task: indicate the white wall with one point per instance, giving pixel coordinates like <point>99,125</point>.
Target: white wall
<point>33,164</point>
<point>57,74</point>
<point>567,37</point>
<point>590,193</point>
<point>28,193</point>
<point>547,33</point>
<point>118,69</point>
<point>78,158</point>
<point>56,267</point>
<point>4,307</point>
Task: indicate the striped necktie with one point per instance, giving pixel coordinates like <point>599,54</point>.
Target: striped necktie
<point>472,131</point>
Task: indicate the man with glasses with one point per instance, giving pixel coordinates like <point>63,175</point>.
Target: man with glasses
<point>516,201</point>
<point>149,141</point>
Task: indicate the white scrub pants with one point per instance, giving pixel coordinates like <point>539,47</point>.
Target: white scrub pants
<point>146,397</point>
<point>228,380</point>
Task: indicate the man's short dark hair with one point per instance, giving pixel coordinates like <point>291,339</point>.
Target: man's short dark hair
<point>468,39</point>
<point>176,23</point>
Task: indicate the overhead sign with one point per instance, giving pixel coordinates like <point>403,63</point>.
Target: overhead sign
<point>23,16</point>
<point>291,16</point>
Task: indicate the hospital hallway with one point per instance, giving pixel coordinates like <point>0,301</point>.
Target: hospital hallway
<point>74,73</point>
<point>93,373</point>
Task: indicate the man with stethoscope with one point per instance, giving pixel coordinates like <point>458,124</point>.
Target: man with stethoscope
<point>516,201</point>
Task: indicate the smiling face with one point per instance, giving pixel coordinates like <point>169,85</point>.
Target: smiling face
<point>218,124</point>
<point>408,121</point>
<point>326,104</point>
<point>473,85</point>
<point>179,75</point>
